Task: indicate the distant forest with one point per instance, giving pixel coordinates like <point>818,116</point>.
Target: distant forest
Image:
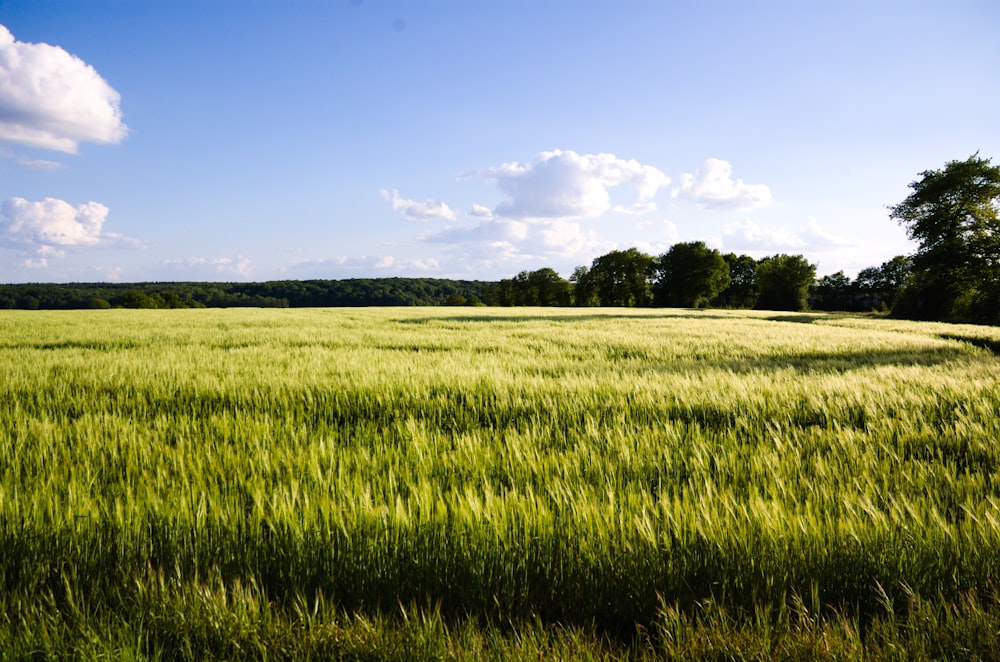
<point>271,294</point>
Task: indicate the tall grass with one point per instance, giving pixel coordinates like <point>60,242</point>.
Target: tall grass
<point>194,479</point>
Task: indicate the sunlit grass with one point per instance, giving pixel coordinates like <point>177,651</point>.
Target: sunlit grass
<point>603,470</point>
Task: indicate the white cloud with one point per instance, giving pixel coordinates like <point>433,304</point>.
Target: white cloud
<point>349,266</point>
<point>671,232</point>
<point>240,265</point>
<point>747,235</point>
<point>479,211</point>
<point>567,185</point>
<point>50,223</point>
<point>817,236</point>
<point>712,186</point>
<point>413,210</point>
<point>507,239</point>
<point>54,100</point>
<point>28,162</point>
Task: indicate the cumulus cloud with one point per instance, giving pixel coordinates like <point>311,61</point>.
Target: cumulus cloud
<point>713,186</point>
<point>747,235</point>
<point>413,210</point>
<point>50,225</point>
<point>54,100</point>
<point>567,185</point>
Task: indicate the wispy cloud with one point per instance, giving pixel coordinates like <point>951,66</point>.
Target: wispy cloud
<point>240,265</point>
<point>28,162</point>
<point>348,266</point>
<point>412,210</point>
<point>748,235</point>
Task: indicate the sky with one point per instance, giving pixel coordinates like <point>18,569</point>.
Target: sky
<point>254,140</point>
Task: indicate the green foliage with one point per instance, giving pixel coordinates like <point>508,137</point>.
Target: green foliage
<point>584,288</point>
<point>273,294</point>
<point>878,288</point>
<point>953,214</point>
<point>783,282</point>
<point>833,292</point>
<point>543,287</point>
<point>621,278</point>
<point>689,275</point>
<point>742,290</point>
<point>97,303</point>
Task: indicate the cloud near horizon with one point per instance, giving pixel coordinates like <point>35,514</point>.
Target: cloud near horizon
<point>565,185</point>
<point>349,266</point>
<point>53,100</point>
<point>544,200</point>
<point>504,240</point>
<point>712,186</point>
<point>748,235</point>
<point>50,225</point>
<point>240,265</point>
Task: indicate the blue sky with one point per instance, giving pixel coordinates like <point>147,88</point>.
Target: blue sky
<point>147,140</point>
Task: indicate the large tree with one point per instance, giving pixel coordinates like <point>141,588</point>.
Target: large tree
<point>622,278</point>
<point>689,275</point>
<point>784,282</point>
<point>953,214</point>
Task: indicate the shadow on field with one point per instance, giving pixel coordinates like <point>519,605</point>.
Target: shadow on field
<point>797,318</point>
<point>564,318</point>
<point>985,343</point>
<point>821,362</point>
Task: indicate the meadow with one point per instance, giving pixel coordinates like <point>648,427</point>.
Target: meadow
<point>469,483</point>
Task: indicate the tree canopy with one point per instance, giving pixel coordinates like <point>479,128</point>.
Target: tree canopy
<point>690,275</point>
<point>953,214</point>
<point>620,278</point>
<point>784,281</point>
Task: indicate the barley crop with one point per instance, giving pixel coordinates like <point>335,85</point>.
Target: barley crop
<point>592,468</point>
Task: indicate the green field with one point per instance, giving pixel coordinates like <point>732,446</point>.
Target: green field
<point>439,483</point>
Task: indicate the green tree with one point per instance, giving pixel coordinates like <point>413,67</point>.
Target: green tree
<point>953,214</point>
<point>139,299</point>
<point>550,288</point>
<point>834,292</point>
<point>584,291</point>
<point>878,287</point>
<point>98,303</point>
<point>784,282</point>
<point>623,278</point>
<point>689,275</point>
<point>742,289</point>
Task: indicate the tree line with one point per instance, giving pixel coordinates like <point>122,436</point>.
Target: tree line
<point>270,294</point>
<point>692,275</point>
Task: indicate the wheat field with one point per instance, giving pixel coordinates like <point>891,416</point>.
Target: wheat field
<point>465,483</point>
